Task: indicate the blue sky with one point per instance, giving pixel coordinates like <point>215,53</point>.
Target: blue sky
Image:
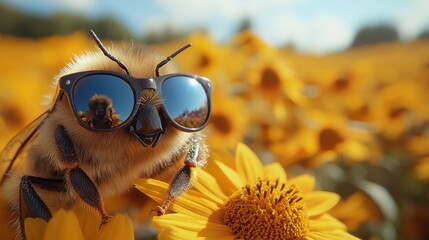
<point>310,25</point>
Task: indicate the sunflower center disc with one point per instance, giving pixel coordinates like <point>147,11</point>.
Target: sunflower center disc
<point>267,210</point>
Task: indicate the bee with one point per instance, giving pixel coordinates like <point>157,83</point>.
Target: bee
<point>101,112</point>
<point>110,122</point>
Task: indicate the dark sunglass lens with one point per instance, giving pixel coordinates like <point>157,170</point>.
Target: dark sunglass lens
<point>185,101</point>
<point>103,101</point>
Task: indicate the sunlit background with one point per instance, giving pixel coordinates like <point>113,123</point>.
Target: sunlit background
<point>307,25</point>
<point>327,87</point>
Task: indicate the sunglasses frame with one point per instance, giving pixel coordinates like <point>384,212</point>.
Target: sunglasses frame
<point>68,82</point>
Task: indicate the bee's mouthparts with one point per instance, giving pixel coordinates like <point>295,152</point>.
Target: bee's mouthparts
<point>148,139</point>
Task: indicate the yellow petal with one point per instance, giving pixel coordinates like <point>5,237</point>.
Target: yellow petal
<point>63,225</point>
<point>354,150</point>
<point>192,203</point>
<point>305,183</point>
<point>320,202</point>
<point>275,170</point>
<point>34,228</point>
<point>232,181</point>
<point>331,235</point>
<point>208,185</point>
<point>182,221</point>
<point>186,235</point>
<point>181,235</point>
<point>221,155</point>
<point>248,164</point>
<point>325,223</point>
<point>168,235</point>
<point>119,227</point>
<point>89,220</point>
<point>155,189</point>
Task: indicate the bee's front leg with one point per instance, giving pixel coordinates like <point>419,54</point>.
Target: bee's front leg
<point>77,180</point>
<point>30,203</point>
<point>196,156</point>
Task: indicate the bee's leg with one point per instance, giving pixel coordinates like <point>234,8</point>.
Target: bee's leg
<point>196,156</point>
<point>87,191</point>
<point>77,179</point>
<point>30,203</point>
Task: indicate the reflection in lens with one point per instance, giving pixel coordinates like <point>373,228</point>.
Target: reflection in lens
<point>185,101</point>
<point>103,101</point>
<point>101,114</point>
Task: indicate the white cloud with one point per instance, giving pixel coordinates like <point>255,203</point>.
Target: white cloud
<point>319,34</point>
<point>68,5</point>
<point>328,33</point>
<point>414,19</point>
<point>272,19</point>
<point>195,9</point>
<point>194,13</point>
<point>77,5</point>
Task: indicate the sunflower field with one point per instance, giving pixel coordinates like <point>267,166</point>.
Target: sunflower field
<point>351,128</point>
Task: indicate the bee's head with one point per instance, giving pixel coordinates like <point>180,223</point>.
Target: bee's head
<point>101,106</point>
<point>109,96</point>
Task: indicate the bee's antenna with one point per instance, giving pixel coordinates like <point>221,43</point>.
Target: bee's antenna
<point>165,61</point>
<point>106,53</point>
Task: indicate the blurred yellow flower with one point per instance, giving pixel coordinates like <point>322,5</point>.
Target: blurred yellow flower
<point>338,136</point>
<point>228,123</point>
<point>245,51</point>
<point>244,199</point>
<point>249,44</point>
<point>27,74</point>
<point>344,90</point>
<point>322,137</point>
<point>357,209</point>
<point>422,169</point>
<point>274,79</point>
<point>296,147</point>
<point>362,104</point>
<point>399,108</point>
<point>205,58</point>
<point>78,224</point>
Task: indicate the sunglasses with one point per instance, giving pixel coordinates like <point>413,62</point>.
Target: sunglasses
<point>106,100</point>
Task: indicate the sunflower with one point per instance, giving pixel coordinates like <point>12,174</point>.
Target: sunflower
<point>399,109</point>
<point>356,210</point>
<point>78,224</point>
<point>27,76</point>
<point>206,58</point>
<point>321,137</point>
<point>229,120</point>
<point>273,77</point>
<point>249,44</point>
<point>245,51</point>
<point>244,199</point>
<point>339,137</point>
